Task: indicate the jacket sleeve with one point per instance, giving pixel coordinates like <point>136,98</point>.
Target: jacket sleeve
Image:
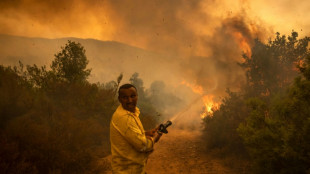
<point>130,130</point>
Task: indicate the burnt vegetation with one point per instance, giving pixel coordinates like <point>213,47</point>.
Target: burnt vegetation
<point>53,120</point>
<point>268,121</point>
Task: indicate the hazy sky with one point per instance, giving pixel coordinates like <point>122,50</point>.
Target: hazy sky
<point>206,37</point>
<point>164,25</point>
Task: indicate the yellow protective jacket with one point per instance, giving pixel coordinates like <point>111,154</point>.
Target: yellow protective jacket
<point>129,145</point>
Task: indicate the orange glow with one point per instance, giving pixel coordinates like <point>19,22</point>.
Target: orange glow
<point>299,63</point>
<point>243,43</point>
<point>208,100</point>
<point>195,88</point>
<point>210,106</point>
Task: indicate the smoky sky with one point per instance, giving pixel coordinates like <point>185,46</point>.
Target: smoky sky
<point>175,27</point>
<point>202,40</point>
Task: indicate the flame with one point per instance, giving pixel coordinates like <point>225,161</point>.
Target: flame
<point>243,43</point>
<point>210,106</point>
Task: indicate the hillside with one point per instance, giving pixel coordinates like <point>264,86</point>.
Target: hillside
<point>106,58</point>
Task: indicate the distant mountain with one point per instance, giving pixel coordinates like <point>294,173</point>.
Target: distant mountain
<point>106,58</point>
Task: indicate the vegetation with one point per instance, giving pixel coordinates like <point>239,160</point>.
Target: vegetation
<point>55,121</point>
<point>270,119</point>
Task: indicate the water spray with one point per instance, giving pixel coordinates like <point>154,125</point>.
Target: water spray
<point>185,109</point>
<point>163,127</point>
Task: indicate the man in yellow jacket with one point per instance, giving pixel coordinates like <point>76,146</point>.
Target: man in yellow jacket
<point>130,144</point>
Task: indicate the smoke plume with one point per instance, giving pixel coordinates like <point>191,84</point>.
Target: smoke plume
<point>199,42</point>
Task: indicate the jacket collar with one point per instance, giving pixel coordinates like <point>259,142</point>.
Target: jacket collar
<point>124,111</point>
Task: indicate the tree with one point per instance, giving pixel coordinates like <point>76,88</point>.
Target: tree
<point>163,100</point>
<point>15,93</point>
<point>270,115</point>
<point>71,62</point>
<point>148,113</point>
<point>272,66</point>
<point>304,67</point>
<point>119,79</point>
<point>276,133</point>
<point>220,129</point>
<point>138,83</point>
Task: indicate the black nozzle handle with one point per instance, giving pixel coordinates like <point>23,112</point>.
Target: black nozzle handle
<point>163,127</point>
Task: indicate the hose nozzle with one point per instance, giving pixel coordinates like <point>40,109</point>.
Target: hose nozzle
<point>163,127</point>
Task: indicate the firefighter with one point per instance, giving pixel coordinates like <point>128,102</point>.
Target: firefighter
<point>130,144</point>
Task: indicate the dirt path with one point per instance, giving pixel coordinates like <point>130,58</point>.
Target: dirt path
<point>182,152</point>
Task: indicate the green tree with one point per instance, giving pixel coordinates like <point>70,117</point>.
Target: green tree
<point>270,115</point>
<point>138,83</point>
<point>261,137</point>
<point>220,128</point>
<point>148,112</point>
<point>119,79</point>
<point>15,93</point>
<point>45,127</point>
<point>276,133</point>
<point>71,62</point>
<point>272,66</point>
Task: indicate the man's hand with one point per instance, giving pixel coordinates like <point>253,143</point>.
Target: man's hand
<point>151,133</point>
<point>154,133</point>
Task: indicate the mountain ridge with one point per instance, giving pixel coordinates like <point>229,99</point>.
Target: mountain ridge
<point>107,59</point>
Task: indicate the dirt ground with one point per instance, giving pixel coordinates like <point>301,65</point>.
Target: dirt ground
<point>182,152</point>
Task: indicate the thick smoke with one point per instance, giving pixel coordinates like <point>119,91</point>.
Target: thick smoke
<point>221,69</point>
<point>171,26</point>
<point>200,41</point>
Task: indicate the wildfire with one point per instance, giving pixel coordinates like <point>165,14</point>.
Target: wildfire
<point>243,43</point>
<point>209,104</point>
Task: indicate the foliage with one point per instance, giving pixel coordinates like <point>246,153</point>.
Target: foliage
<point>260,134</point>
<point>16,95</point>
<point>70,64</point>
<point>278,138</point>
<point>270,116</point>
<point>55,121</point>
<point>138,83</point>
<point>166,103</point>
<point>148,113</point>
<point>276,132</point>
<point>220,128</point>
<point>272,66</point>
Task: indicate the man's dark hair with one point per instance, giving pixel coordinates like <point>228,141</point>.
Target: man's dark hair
<point>125,86</point>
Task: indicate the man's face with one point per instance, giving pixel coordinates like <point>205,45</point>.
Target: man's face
<point>128,98</point>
